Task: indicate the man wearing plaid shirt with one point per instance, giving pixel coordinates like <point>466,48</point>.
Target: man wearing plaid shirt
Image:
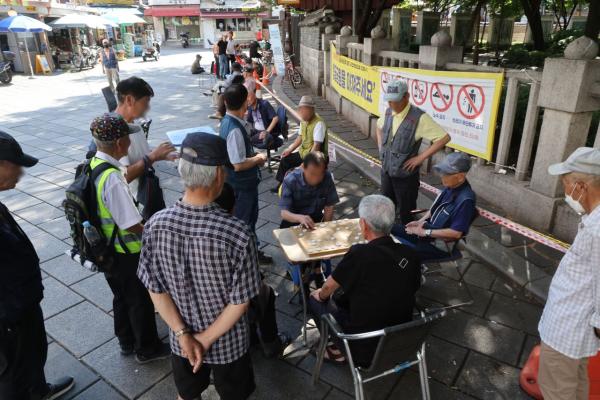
<point>570,325</point>
<point>200,266</point>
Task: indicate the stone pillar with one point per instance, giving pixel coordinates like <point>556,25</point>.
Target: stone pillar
<point>565,94</point>
<point>440,52</point>
<point>401,29</point>
<point>500,32</point>
<point>428,23</point>
<point>459,27</point>
<point>342,40</point>
<point>373,45</point>
<point>326,39</point>
<point>547,27</point>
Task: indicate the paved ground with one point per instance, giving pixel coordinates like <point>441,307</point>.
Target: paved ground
<point>474,353</point>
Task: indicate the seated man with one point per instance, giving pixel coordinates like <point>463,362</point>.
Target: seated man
<point>265,123</point>
<point>249,80</point>
<point>196,67</point>
<point>308,195</point>
<point>450,215</point>
<point>377,282</point>
<point>219,100</point>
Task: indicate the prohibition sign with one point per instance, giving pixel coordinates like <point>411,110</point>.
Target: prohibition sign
<point>419,92</point>
<point>470,101</point>
<point>441,96</point>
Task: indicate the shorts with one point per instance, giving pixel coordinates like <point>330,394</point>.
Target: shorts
<point>233,381</point>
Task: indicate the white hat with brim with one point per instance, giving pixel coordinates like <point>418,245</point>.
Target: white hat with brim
<point>585,160</point>
<point>395,91</point>
<point>307,101</point>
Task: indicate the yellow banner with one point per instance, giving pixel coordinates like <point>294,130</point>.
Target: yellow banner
<point>355,81</point>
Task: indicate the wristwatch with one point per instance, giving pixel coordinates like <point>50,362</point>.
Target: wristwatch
<point>182,332</point>
<point>427,232</point>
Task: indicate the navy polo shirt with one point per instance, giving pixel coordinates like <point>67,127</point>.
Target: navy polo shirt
<point>300,198</point>
<point>460,217</point>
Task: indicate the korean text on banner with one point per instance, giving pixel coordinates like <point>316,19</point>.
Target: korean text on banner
<point>465,104</point>
<point>355,81</point>
<point>277,48</point>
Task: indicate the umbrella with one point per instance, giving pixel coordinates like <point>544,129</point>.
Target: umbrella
<point>82,21</point>
<point>21,23</point>
<point>125,19</point>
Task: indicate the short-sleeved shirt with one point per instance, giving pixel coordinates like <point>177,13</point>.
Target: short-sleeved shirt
<point>319,132</point>
<point>462,215</point>
<point>222,45</point>
<point>427,128</point>
<point>137,150</point>
<point>117,196</point>
<point>379,281</point>
<point>298,197</point>
<point>236,148</point>
<point>204,259</point>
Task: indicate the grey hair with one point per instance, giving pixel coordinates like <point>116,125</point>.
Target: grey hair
<point>378,212</point>
<point>105,144</point>
<point>194,175</point>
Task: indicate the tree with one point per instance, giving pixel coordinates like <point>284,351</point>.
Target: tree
<point>369,16</point>
<point>592,24</point>
<point>563,11</point>
<point>534,19</point>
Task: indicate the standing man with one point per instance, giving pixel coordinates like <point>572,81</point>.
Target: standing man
<point>244,174</point>
<point>312,137</point>
<point>570,324</point>
<point>400,132</point>
<point>110,64</point>
<point>23,342</point>
<point>200,266</point>
<point>223,61</point>
<point>135,326</point>
<point>230,50</point>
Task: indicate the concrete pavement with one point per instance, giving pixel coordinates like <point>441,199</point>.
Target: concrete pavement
<point>474,353</point>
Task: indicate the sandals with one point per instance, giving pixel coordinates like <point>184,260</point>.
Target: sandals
<point>333,355</point>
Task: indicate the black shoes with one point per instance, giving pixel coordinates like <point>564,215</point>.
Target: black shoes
<point>126,349</point>
<point>58,388</point>
<point>276,348</point>
<point>263,258</point>
<point>163,351</point>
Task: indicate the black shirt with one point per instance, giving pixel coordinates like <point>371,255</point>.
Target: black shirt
<point>379,280</point>
<point>20,276</point>
<point>222,47</point>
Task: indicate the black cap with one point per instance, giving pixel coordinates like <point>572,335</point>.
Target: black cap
<point>210,149</point>
<point>10,150</point>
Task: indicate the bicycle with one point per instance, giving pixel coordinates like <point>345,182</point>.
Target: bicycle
<point>293,74</point>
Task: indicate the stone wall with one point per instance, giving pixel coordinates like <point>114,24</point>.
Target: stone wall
<point>312,67</point>
<point>310,36</point>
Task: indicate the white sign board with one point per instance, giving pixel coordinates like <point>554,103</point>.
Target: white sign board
<point>276,48</point>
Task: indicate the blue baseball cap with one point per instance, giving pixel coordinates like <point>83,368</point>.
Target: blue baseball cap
<point>454,163</point>
<point>395,90</point>
<point>210,149</point>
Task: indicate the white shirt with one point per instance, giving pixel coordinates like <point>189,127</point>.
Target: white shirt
<point>137,150</point>
<point>117,196</point>
<point>236,148</point>
<point>230,47</point>
<point>319,132</point>
<point>573,306</point>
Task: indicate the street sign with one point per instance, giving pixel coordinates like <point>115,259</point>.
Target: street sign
<point>441,96</point>
<point>470,101</point>
<point>419,91</point>
<point>277,48</point>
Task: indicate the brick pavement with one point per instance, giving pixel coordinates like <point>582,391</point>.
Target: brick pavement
<point>473,353</point>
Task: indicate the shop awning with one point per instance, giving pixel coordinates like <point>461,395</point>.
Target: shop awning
<point>208,14</point>
<point>172,11</point>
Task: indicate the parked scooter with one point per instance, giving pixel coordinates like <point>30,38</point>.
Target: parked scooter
<point>151,52</point>
<point>6,67</point>
<point>185,39</point>
<point>88,58</point>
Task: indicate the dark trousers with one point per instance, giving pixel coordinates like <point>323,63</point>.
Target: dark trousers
<point>133,310</point>
<point>287,163</point>
<point>23,352</point>
<point>216,67</point>
<point>403,192</point>
<point>262,316</point>
<point>246,205</point>
<point>424,247</point>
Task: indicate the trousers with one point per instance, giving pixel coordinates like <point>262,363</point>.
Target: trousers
<point>561,377</point>
<point>403,192</point>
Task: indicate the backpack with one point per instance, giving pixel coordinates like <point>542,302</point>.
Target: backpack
<point>283,121</point>
<point>81,205</point>
<point>150,194</point>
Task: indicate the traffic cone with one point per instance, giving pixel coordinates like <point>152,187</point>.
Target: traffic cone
<point>265,77</point>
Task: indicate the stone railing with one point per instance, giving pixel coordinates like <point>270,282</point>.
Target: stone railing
<point>389,58</point>
<point>356,51</point>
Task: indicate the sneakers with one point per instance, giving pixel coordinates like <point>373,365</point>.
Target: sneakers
<point>215,116</point>
<point>263,258</point>
<point>276,348</point>
<point>163,351</point>
<point>58,388</point>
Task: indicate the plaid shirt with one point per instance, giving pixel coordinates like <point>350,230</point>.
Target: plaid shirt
<point>205,259</point>
<point>573,306</point>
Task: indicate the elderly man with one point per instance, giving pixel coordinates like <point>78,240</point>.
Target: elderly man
<point>312,137</point>
<point>399,134</point>
<point>264,121</point>
<point>23,341</point>
<point>215,254</point>
<point>451,214</point>
<point>134,323</point>
<point>570,324</point>
<point>378,281</point>
<point>110,64</point>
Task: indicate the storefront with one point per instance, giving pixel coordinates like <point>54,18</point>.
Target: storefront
<point>173,17</point>
<point>216,22</point>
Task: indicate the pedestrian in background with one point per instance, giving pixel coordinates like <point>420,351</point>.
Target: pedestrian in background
<point>200,266</point>
<point>23,341</point>
<point>110,64</point>
<point>230,50</point>
<point>400,132</point>
<point>570,324</point>
<point>223,60</point>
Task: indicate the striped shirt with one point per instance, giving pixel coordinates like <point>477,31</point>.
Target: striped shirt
<point>573,306</point>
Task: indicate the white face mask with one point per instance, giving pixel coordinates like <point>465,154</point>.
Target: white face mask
<point>574,204</point>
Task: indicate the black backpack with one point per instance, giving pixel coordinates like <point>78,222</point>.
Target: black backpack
<point>81,205</point>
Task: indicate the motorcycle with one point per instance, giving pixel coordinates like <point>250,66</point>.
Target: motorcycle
<point>88,58</point>
<point>185,39</point>
<point>6,67</point>
<point>151,52</point>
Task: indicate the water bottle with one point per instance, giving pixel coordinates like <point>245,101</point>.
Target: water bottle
<point>91,234</point>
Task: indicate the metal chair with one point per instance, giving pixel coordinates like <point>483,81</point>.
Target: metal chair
<point>400,347</point>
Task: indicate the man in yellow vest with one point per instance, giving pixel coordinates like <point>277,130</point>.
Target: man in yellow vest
<point>135,326</point>
<point>312,137</point>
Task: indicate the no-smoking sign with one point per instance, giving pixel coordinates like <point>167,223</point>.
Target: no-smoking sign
<point>441,96</point>
<point>419,91</point>
<point>470,101</point>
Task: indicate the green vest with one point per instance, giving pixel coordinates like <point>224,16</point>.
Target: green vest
<point>306,133</point>
<point>130,240</point>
